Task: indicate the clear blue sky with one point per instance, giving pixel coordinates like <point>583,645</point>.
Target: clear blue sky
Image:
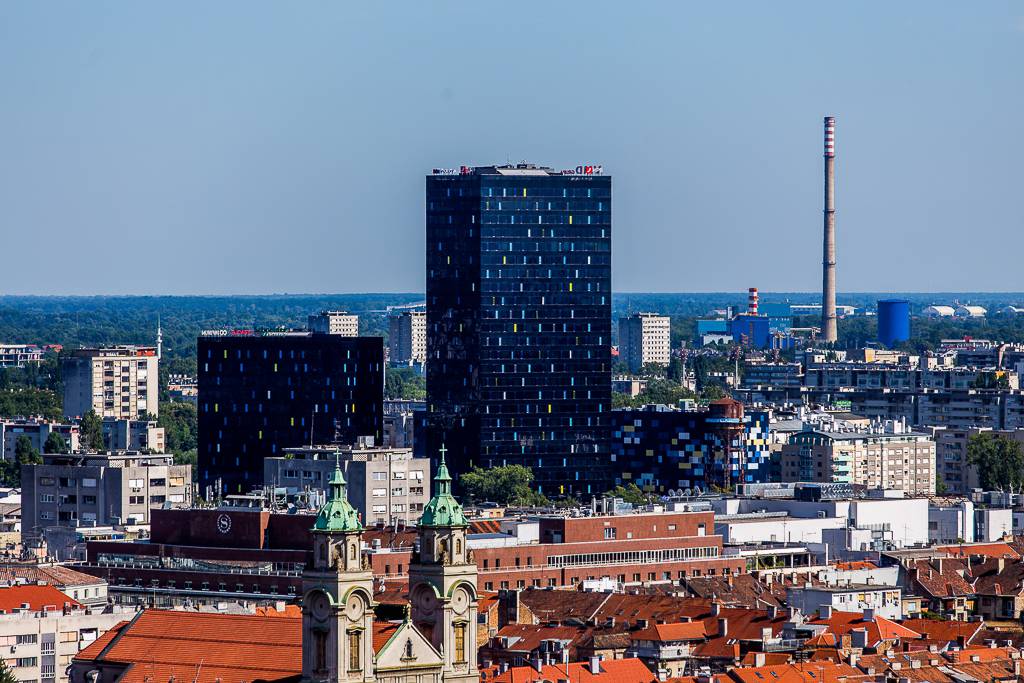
<point>229,147</point>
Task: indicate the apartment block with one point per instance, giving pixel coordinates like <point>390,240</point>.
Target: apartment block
<point>407,338</point>
<point>644,338</point>
<point>133,435</point>
<point>120,382</point>
<point>19,355</point>
<point>386,485</point>
<point>886,455</point>
<point>37,431</point>
<point>99,489</point>
<point>335,322</point>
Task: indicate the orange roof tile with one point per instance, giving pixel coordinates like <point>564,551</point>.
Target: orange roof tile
<point>93,649</point>
<point>528,637</point>
<point>203,647</point>
<point>816,672</point>
<point>292,611</point>
<point>612,671</point>
<point>36,597</point>
<point>986,549</point>
<point>382,632</point>
<point>686,630</point>
<point>948,631</point>
<point>879,629</point>
<point>770,658</point>
<point>983,654</point>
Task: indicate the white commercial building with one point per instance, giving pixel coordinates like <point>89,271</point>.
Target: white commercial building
<point>341,323</point>
<point>644,338</point>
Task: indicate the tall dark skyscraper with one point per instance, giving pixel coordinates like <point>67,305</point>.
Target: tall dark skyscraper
<point>519,322</point>
<point>260,393</point>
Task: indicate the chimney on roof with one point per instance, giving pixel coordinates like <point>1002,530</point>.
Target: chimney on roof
<point>825,612</point>
<point>595,664</point>
<point>723,626</point>
<point>938,564</point>
<point>852,659</point>
<point>716,608</point>
<point>869,614</point>
<point>536,663</point>
<point>759,659</point>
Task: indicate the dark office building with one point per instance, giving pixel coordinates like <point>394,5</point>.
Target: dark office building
<point>260,393</point>
<point>519,322</point>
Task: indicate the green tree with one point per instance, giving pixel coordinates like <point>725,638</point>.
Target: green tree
<point>630,493</point>
<point>999,459</point>
<point>404,383</point>
<point>25,453</point>
<point>30,401</point>
<point>90,429</point>
<point>55,443</point>
<point>505,485</point>
<point>940,485</point>
<point>652,370</point>
<point>6,674</point>
<point>676,369</point>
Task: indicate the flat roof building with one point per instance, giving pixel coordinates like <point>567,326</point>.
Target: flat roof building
<point>519,322</point>
<point>263,391</point>
<point>120,382</point>
<point>335,322</point>
<point>644,338</point>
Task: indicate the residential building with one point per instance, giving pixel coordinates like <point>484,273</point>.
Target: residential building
<point>644,338</point>
<point>98,489</point>
<point>335,322</point>
<point>42,629</point>
<point>883,601</point>
<point>662,449</point>
<point>519,322</point>
<point>387,486</point>
<point>262,392</point>
<point>84,588</point>
<point>19,355</point>
<point>133,435</point>
<point>37,430</point>
<point>887,455</point>
<point>951,521</point>
<point>407,338</point>
<point>121,382</point>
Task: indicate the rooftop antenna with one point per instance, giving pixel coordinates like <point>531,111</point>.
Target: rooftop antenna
<point>159,337</point>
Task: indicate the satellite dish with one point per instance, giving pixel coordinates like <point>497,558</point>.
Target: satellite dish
<point>687,493</point>
<point>696,490</point>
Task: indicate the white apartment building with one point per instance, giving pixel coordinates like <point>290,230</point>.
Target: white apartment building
<point>335,322</point>
<point>407,337</point>
<point>120,382</point>
<point>884,455</point>
<point>19,355</point>
<point>644,338</point>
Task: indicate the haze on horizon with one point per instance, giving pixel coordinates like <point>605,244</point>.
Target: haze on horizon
<point>255,147</point>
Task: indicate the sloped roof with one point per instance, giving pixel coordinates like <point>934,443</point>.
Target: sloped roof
<point>770,658</point>
<point>684,630</point>
<point>36,597</point>
<point>998,549</point>
<point>944,631</point>
<point>878,629</point>
<point>807,672</point>
<point>528,637</point>
<point>57,575</point>
<point>561,605</point>
<point>612,671</point>
<point>203,647</point>
<point>983,654</point>
<point>743,590</point>
<point>990,580</point>
<point>943,578</point>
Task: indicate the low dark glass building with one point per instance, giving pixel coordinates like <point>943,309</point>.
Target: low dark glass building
<point>519,322</point>
<point>260,393</point>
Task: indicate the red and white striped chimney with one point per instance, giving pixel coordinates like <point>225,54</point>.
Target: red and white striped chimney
<point>830,136</point>
<point>752,301</point>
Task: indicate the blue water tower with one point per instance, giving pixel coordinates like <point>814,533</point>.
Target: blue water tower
<point>893,321</point>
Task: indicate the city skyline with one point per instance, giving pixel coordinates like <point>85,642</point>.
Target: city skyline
<point>178,137</point>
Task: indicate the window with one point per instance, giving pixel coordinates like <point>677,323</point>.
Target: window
<point>46,498</point>
<point>158,482</point>
<point>136,483</point>
<point>25,661</point>
<point>460,643</point>
<point>136,500</point>
<point>380,493</point>
<point>177,481</point>
<point>380,476</point>
<point>380,508</point>
<point>398,475</point>
<point>609,533</point>
<point>26,638</point>
<point>354,647</point>
<point>89,482</point>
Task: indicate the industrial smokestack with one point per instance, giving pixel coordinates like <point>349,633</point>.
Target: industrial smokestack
<point>828,263</point>
<point>752,301</point>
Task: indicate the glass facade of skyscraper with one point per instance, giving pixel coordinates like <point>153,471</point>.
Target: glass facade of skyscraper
<point>519,322</point>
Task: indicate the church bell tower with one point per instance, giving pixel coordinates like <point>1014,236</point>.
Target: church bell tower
<point>337,596</point>
<point>442,582</point>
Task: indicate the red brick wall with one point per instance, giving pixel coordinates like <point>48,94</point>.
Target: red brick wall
<point>577,530</point>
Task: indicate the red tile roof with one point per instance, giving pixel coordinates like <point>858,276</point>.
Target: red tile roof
<point>941,578</point>
<point>685,630</point>
<point>291,611</point>
<point>878,629</point>
<point>945,631</point>
<point>382,632</point>
<point>203,647</point>
<point>93,649</point>
<point>770,658</point>
<point>983,654</point>
<point>807,672</point>
<point>986,549</point>
<point>55,575</point>
<point>856,564</point>
<point>528,637</point>
<point>36,597</point>
<point>612,671</point>
<point>485,526</point>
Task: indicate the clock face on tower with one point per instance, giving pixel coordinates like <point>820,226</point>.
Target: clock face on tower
<point>460,601</point>
<point>354,608</point>
<point>320,606</point>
